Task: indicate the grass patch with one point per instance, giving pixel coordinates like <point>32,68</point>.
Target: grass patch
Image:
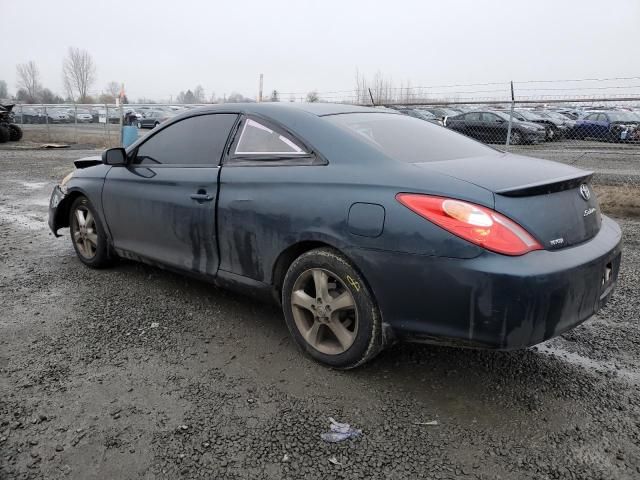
<point>69,137</point>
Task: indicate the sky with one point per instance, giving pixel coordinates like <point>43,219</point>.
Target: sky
<point>158,48</point>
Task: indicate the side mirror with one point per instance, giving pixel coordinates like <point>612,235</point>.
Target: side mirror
<point>500,120</point>
<point>114,156</point>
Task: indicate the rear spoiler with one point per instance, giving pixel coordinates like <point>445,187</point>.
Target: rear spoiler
<point>547,186</point>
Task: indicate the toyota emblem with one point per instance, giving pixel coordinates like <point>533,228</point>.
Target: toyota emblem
<point>585,192</point>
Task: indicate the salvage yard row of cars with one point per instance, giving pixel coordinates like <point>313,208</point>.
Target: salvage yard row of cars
<point>489,124</point>
<point>529,126</point>
<point>143,117</point>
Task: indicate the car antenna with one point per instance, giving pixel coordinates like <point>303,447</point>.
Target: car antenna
<point>371,95</point>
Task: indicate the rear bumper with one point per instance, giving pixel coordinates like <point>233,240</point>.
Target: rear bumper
<point>493,301</point>
<point>534,137</point>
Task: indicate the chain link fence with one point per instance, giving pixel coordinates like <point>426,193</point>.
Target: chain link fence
<point>555,128</point>
<point>563,124</point>
<point>97,125</point>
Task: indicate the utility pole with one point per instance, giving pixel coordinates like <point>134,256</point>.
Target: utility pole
<point>260,91</point>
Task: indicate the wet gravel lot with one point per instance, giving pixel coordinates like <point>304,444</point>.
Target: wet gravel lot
<point>134,372</point>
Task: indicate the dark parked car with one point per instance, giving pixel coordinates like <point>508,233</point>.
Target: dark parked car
<point>368,226</point>
<point>79,115</point>
<point>55,115</point>
<point>612,126</point>
<point>153,118</point>
<point>565,120</point>
<point>441,112</point>
<point>493,127</point>
<point>421,114</point>
<point>554,129</point>
<point>25,114</point>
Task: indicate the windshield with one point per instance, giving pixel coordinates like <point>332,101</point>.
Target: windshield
<point>529,115</point>
<point>506,115</point>
<point>623,117</point>
<point>408,139</point>
<point>557,115</point>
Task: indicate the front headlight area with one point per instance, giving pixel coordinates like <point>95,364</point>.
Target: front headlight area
<point>65,180</point>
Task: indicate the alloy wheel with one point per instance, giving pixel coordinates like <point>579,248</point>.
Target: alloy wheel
<point>84,233</point>
<point>324,311</point>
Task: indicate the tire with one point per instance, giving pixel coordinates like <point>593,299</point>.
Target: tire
<point>357,320</point>
<point>93,253</point>
<point>15,133</point>
<point>550,134</point>
<point>516,138</point>
<point>4,134</point>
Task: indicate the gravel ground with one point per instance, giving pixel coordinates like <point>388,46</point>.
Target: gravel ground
<point>134,372</point>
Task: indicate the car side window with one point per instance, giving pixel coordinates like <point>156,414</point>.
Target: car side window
<point>489,117</point>
<point>602,117</point>
<point>472,117</point>
<point>198,140</point>
<point>258,139</point>
<point>592,117</point>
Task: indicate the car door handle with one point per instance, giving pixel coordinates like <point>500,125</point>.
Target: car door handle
<point>201,197</point>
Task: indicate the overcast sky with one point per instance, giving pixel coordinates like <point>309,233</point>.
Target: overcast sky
<point>158,48</point>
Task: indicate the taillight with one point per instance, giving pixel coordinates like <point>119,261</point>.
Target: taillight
<point>480,225</point>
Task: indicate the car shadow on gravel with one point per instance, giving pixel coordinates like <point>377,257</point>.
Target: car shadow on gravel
<point>455,381</point>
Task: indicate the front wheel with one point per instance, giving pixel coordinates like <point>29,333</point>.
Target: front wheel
<point>4,134</point>
<point>550,134</point>
<point>88,235</point>
<point>330,310</point>
<point>516,138</point>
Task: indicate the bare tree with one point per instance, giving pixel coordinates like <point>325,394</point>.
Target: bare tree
<point>29,80</point>
<point>3,89</point>
<point>78,73</point>
<point>275,96</point>
<point>113,89</point>
<point>312,96</point>
<point>198,94</point>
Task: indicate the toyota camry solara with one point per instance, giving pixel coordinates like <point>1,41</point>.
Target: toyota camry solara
<point>368,226</point>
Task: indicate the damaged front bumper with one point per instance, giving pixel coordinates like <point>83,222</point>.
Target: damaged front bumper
<point>57,210</point>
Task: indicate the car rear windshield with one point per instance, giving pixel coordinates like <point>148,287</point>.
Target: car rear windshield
<point>409,139</point>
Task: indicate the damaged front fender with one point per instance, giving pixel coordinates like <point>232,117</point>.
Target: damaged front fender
<point>58,210</point>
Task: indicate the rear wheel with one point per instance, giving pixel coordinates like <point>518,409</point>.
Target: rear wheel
<point>330,311</point>
<point>15,133</point>
<point>87,235</point>
<point>4,134</point>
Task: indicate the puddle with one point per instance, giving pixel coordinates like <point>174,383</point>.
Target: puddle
<point>33,185</point>
<point>590,364</point>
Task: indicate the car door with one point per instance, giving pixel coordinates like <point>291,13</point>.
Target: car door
<point>588,127</point>
<point>493,128</point>
<point>473,125</point>
<point>603,125</point>
<point>266,170</point>
<point>161,205</point>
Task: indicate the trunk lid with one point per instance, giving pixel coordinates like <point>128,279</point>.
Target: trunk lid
<point>554,202</point>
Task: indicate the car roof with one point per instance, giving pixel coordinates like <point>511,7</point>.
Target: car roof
<point>274,108</point>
